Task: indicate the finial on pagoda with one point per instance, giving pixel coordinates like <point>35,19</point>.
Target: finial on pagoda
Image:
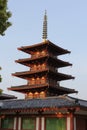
<point>44,37</point>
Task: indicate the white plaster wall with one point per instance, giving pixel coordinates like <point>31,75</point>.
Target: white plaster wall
<point>42,123</point>
<point>15,121</point>
<point>68,123</point>
<point>37,123</point>
<point>19,123</point>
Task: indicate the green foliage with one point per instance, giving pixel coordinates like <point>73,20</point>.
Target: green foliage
<point>4,16</point>
<point>1,91</point>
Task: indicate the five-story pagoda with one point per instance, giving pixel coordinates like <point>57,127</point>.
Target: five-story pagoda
<point>43,76</point>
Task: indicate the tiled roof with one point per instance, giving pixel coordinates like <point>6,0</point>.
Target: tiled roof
<point>59,90</point>
<point>59,76</point>
<point>4,96</point>
<point>40,104</point>
<point>57,102</point>
<point>56,62</point>
<point>57,50</point>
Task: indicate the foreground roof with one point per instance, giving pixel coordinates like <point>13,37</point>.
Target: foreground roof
<point>4,96</point>
<point>48,102</point>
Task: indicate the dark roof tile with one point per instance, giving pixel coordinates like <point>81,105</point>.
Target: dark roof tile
<point>37,103</point>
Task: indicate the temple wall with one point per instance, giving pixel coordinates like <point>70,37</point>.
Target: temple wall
<point>44,123</point>
<point>81,123</point>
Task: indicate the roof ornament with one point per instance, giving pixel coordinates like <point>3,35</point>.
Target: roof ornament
<point>44,37</point>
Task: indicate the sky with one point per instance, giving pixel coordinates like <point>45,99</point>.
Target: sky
<point>67,28</point>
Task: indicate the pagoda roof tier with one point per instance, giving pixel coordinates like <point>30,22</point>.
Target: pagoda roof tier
<point>42,59</point>
<point>44,45</point>
<point>42,87</point>
<point>52,74</point>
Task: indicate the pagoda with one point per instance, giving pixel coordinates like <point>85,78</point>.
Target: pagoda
<point>43,76</point>
<point>47,105</point>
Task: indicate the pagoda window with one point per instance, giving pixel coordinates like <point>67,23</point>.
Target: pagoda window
<point>30,95</point>
<point>34,67</point>
<point>43,52</point>
<point>55,124</point>
<point>28,123</point>
<point>37,53</point>
<point>39,67</point>
<point>7,123</point>
<point>36,95</point>
<point>43,66</point>
<point>32,81</point>
<point>38,80</point>
<point>43,80</point>
<point>42,94</point>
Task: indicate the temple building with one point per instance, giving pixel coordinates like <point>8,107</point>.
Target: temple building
<point>47,105</point>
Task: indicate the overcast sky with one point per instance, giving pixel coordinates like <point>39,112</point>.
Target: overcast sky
<point>67,28</point>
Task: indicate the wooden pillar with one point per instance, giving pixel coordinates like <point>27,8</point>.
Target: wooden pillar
<point>0,122</point>
<point>71,121</point>
<point>74,123</point>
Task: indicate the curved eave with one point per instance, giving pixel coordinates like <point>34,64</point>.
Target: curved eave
<point>4,96</point>
<point>57,50</point>
<point>51,46</point>
<point>54,75</point>
<point>32,88</point>
<point>27,88</point>
<point>60,76</point>
<point>61,90</point>
<point>54,61</point>
<point>58,63</point>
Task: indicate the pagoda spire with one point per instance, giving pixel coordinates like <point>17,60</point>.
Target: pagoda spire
<point>44,36</point>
